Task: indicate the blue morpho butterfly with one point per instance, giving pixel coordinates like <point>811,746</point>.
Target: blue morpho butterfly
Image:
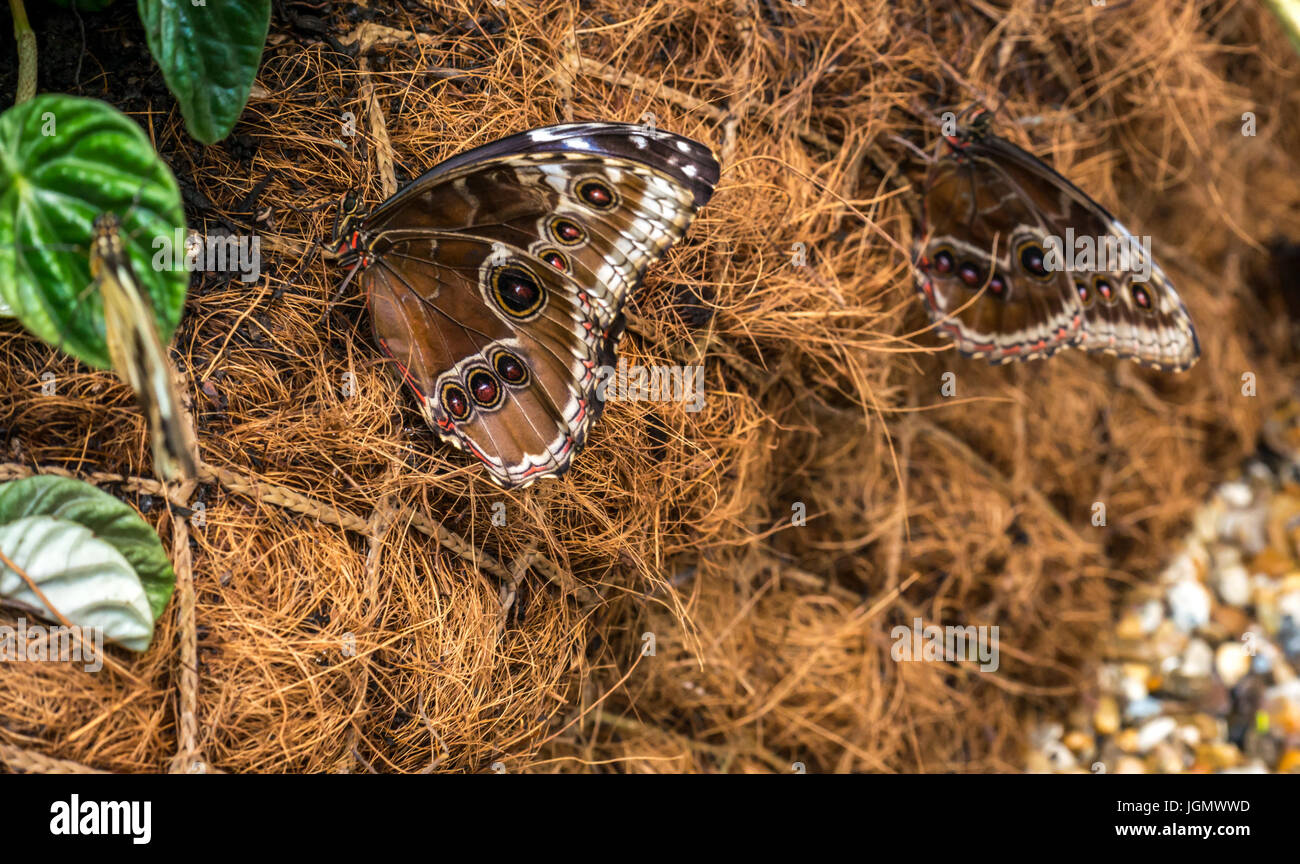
<point>497,279</point>
<point>995,220</point>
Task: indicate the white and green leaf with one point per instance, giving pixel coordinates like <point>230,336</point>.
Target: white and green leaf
<point>83,577</point>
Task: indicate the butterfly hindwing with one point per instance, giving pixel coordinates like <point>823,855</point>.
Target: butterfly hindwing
<point>496,345</point>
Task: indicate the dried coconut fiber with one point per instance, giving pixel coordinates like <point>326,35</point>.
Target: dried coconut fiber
<point>348,603</point>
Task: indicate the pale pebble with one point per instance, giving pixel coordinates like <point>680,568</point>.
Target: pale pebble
<point>1130,765</point>
<point>1197,660</point>
<point>1189,604</point>
<point>1233,585</point>
<point>1236,494</point>
<point>1181,569</point>
<point>1155,731</point>
<point>1106,718</point>
<point>1206,521</point>
<point>1150,614</point>
<point>1231,662</point>
<point>1140,709</point>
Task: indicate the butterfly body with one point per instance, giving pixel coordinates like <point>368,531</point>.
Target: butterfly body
<point>996,271</point>
<point>496,281</point>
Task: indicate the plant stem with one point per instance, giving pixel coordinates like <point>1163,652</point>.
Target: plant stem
<point>26,40</point>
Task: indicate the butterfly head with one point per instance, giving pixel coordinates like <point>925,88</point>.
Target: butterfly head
<point>348,241</point>
<point>107,243</point>
<point>973,125</point>
<point>106,223</point>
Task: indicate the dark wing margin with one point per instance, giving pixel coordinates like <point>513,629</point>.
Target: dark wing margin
<point>688,162</point>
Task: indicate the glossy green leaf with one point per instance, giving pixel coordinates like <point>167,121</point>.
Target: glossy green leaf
<point>209,56</point>
<point>111,520</point>
<point>83,577</point>
<point>63,161</point>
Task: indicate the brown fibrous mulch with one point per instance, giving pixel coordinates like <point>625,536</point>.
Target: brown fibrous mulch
<point>355,607</point>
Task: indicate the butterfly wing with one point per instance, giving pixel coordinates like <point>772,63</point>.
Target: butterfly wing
<point>138,355</point>
<point>565,218</point>
<point>599,201</point>
<point>689,162</point>
<point>993,213</point>
<point>494,344</point>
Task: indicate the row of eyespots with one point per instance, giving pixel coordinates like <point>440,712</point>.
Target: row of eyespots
<point>1102,288</point>
<point>484,390</point>
<point>566,232</point>
<point>970,274</point>
<point>1032,258</point>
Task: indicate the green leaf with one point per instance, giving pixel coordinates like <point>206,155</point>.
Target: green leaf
<point>209,56</point>
<point>63,161</point>
<point>111,520</point>
<point>83,577</point>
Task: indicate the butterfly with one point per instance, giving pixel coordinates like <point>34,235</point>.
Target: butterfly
<point>1056,270</point>
<point>137,354</point>
<point>496,280</point>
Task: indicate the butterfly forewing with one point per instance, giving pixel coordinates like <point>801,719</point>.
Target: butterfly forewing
<point>688,162</point>
<point>497,280</point>
<point>600,217</point>
<point>991,210</point>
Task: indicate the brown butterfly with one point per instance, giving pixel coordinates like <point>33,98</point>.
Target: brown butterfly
<point>1056,270</point>
<point>496,280</point>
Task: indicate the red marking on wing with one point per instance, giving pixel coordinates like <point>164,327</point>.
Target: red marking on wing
<point>478,454</point>
<point>406,374</point>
